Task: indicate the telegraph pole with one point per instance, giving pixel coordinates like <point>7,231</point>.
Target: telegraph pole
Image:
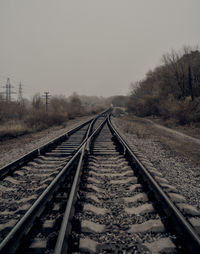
<point>46,95</point>
<point>8,96</point>
<point>190,82</point>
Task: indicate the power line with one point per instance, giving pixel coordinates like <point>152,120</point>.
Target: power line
<point>12,79</point>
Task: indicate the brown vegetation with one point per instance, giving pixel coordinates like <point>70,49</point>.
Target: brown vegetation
<point>18,118</point>
<point>171,90</point>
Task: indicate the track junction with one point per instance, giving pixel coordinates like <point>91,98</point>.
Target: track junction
<point>88,191</point>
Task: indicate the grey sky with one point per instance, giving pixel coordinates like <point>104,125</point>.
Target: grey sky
<point>93,47</point>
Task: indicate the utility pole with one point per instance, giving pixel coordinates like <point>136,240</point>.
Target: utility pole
<point>46,95</point>
<point>8,96</point>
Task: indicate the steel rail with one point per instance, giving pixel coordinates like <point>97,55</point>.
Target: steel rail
<point>38,151</point>
<point>63,237</point>
<point>179,222</point>
<point>10,244</point>
<point>7,169</point>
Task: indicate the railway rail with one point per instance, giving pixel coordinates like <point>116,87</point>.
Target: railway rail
<point>102,197</point>
<point>23,180</point>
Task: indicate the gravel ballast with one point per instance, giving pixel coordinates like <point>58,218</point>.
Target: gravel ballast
<point>113,221</point>
<point>176,168</point>
<point>12,149</point>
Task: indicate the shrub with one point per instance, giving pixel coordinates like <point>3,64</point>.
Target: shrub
<point>184,111</point>
<point>58,118</point>
<point>189,111</point>
<point>38,120</point>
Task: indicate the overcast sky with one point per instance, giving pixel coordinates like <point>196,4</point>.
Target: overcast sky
<point>92,47</point>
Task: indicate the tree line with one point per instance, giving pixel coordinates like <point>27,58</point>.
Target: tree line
<point>171,90</point>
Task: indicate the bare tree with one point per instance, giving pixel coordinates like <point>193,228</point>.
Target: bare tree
<point>176,67</point>
<point>37,101</point>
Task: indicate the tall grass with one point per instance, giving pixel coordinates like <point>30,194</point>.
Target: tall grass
<point>13,129</point>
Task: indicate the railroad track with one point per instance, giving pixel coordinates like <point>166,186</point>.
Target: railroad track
<point>25,179</point>
<point>107,198</point>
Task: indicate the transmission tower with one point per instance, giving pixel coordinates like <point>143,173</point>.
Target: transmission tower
<point>8,91</point>
<point>20,97</point>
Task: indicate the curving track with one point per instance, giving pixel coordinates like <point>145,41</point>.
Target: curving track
<point>105,199</point>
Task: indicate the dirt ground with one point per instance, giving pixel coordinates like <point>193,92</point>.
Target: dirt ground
<point>182,140</point>
<point>192,130</point>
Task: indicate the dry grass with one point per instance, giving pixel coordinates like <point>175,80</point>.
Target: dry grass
<point>13,129</point>
<point>144,129</point>
<point>134,126</point>
<point>33,122</point>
